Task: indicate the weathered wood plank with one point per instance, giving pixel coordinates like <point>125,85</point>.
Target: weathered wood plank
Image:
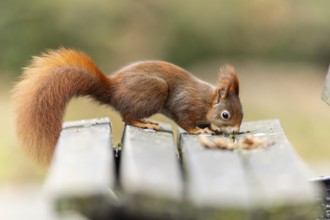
<point>277,177</point>
<point>216,180</point>
<point>324,183</point>
<point>255,184</point>
<point>81,176</point>
<point>149,173</point>
<point>326,89</point>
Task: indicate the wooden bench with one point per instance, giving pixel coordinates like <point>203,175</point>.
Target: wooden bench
<point>153,175</point>
<point>325,180</point>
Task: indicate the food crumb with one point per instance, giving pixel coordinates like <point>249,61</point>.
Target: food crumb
<point>217,143</point>
<point>250,142</point>
<point>247,142</point>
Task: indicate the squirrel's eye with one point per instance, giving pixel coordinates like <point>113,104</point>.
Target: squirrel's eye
<point>225,115</point>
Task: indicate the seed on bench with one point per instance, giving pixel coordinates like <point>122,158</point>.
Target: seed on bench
<point>203,140</point>
<point>219,143</point>
<point>250,142</point>
<point>225,144</point>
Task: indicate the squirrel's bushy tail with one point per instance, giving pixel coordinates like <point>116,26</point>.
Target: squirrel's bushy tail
<point>42,94</point>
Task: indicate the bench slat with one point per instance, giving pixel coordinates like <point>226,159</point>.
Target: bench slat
<point>258,183</point>
<point>149,172</point>
<point>326,90</point>
<point>277,177</point>
<point>216,181</point>
<point>81,176</point>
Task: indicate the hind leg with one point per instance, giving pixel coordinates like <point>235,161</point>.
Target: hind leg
<point>145,95</point>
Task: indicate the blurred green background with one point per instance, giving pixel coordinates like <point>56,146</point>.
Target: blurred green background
<point>281,51</point>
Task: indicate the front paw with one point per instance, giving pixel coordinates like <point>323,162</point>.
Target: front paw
<point>201,131</point>
<point>217,131</point>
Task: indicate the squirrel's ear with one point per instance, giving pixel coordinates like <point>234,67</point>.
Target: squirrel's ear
<point>222,90</point>
<point>228,81</point>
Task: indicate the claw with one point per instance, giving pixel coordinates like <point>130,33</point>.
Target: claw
<point>144,124</point>
<point>149,122</point>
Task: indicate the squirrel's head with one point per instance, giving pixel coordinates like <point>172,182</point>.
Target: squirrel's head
<point>226,110</point>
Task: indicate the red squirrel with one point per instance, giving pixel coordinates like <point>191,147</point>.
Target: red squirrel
<point>136,91</point>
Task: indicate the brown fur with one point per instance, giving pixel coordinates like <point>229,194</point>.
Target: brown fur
<point>136,92</point>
